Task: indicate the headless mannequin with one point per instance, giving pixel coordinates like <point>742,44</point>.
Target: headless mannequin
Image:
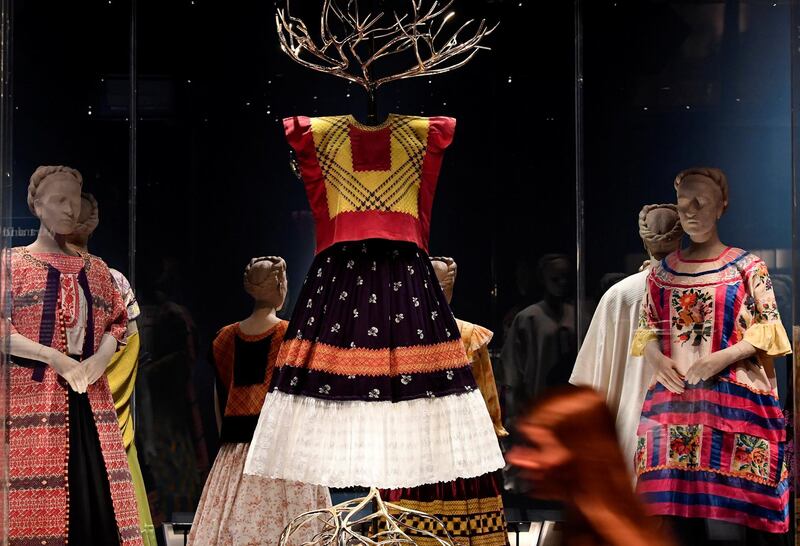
<point>265,281</point>
<point>57,205</point>
<point>701,204</point>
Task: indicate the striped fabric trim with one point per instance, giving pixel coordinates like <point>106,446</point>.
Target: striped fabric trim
<point>700,494</point>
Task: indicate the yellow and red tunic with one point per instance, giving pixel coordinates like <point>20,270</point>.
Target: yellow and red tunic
<point>366,182</point>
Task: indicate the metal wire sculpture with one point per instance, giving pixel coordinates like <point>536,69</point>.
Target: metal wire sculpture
<point>343,525</point>
<point>350,43</point>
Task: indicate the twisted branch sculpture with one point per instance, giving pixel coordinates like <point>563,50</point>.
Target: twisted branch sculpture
<point>350,43</point>
<point>342,525</point>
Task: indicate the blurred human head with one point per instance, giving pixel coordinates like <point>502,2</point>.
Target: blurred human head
<point>54,197</point>
<point>445,269</point>
<point>265,280</point>
<point>702,200</point>
<point>660,229</point>
<point>570,434</point>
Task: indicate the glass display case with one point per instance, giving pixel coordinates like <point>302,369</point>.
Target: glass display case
<point>571,117</point>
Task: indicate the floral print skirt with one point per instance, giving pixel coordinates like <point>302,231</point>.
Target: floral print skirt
<point>372,386</point>
<point>238,510</point>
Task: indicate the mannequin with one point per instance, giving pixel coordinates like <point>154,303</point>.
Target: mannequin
<point>68,302</point>
<point>236,508</point>
<point>121,371</point>
<point>470,509</point>
<point>604,362</point>
<point>540,348</point>
<point>709,330</point>
<point>476,342</point>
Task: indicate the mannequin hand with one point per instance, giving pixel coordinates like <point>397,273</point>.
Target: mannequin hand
<point>707,367</point>
<point>664,368</point>
<point>95,366</point>
<point>666,372</point>
<point>70,369</point>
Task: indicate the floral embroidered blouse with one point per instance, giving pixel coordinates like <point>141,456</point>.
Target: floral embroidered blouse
<point>697,307</point>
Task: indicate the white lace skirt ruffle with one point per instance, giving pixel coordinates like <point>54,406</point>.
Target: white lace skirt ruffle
<point>373,444</point>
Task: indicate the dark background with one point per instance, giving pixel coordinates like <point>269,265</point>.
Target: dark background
<point>667,85</point>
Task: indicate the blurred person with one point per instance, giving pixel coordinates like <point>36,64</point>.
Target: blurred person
<point>571,454</point>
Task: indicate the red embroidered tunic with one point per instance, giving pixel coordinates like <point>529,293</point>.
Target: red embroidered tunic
<point>58,299</point>
<point>370,182</point>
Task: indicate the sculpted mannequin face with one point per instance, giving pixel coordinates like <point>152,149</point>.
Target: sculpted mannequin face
<point>265,281</point>
<point>556,277</point>
<point>700,206</point>
<point>445,269</point>
<point>58,203</point>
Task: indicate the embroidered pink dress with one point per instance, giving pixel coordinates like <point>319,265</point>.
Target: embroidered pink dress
<point>717,450</point>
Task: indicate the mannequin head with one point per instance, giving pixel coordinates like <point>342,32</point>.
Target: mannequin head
<point>702,200</point>
<point>265,281</point>
<point>555,273</point>
<point>88,219</point>
<point>660,229</point>
<point>445,269</point>
<point>54,197</point>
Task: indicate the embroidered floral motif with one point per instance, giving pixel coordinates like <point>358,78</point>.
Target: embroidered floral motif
<point>434,314</point>
<point>351,377</point>
<point>640,456</point>
<point>468,388</point>
<point>374,266</point>
<point>397,285</point>
<point>328,260</point>
<point>309,304</point>
<point>420,334</point>
<point>355,313</point>
<point>325,389</point>
<point>415,301</point>
<point>294,381</point>
<point>319,272</point>
<point>352,344</point>
<point>751,456</point>
<point>343,296</point>
<point>410,270</point>
<point>447,331</point>
<point>398,318</point>
<point>372,332</point>
<point>350,264</point>
<point>359,281</point>
<point>373,298</point>
<point>374,393</point>
<point>693,316</point>
<point>430,394</point>
<point>335,328</point>
<point>405,379</point>
<point>319,290</point>
<point>684,445</point>
<point>425,284</point>
<point>310,321</point>
<point>450,374</point>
